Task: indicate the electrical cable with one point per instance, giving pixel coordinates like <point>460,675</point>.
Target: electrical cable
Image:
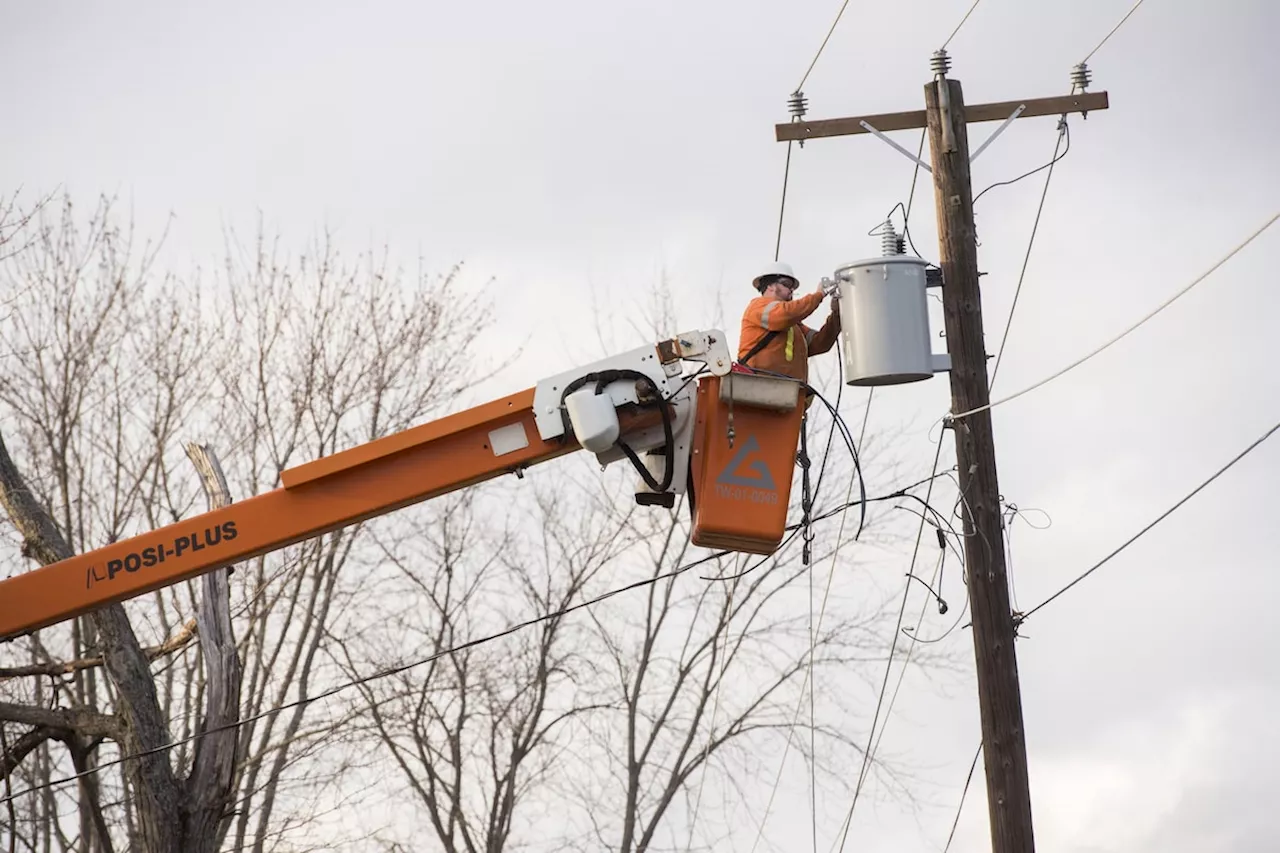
<point>913,633</point>
<point>1035,227</point>
<point>822,46</point>
<point>715,712</point>
<point>1014,512</point>
<point>1049,165</point>
<point>938,519</point>
<point>943,544</point>
<point>806,554</point>
<point>1127,331</point>
<point>1009,565</point>
<point>906,208</point>
<point>374,676</point>
<point>1110,34</point>
<point>813,718</point>
<point>602,379</point>
<point>963,794</point>
<point>836,419</point>
<point>903,492</point>
<point>715,707</point>
<point>962,498</point>
<point>911,196</point>
<point>959,25</point>
<point>688,379</point>
<point>1239,456</point>
<point>805,522</point>
<point>866,755</point>
<point>838,422</point>
<point>814,629</point>
<point>942,602</point>
<point>1007,517</point>
<point>947,633</point>
<point>807,684</point>
<point>778,778</point>
<point>853,451</point>
<point>782,207</point>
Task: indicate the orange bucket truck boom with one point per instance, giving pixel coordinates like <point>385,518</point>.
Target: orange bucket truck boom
<point>639,405</point>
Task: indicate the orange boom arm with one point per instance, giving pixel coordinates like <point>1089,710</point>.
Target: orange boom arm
<point>635,406</point>
<point>366,481</point>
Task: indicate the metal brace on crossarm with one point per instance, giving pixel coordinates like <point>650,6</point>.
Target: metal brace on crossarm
<point>999,130</point>
<point>922,164</point>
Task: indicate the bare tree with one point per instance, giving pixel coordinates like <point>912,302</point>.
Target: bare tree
<point>478,731</point>
<point>588,729</point>
<point>601,728</point>
<point>283,360</point>
<point>73,370</point>
<point>332,355</point>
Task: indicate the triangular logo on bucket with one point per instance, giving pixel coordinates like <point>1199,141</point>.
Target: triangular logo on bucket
<point>733,472</point>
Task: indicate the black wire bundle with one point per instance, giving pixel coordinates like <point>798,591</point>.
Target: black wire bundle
<point>603,379</point>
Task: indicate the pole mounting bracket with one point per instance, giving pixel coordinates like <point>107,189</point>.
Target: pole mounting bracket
<point>999,130</point>
<point>922,164</point>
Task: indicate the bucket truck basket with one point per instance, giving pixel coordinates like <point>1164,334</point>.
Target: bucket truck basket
<point>744,456</point>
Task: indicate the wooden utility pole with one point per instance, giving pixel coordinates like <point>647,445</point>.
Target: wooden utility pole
<point>999,695</point>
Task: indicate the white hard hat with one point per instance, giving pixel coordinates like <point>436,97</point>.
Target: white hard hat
<point>775,268</point>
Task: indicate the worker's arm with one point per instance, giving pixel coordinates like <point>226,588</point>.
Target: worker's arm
<point>825,338</point>
<point>777,316</point>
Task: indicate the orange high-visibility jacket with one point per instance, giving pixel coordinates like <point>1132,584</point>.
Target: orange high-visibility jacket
<point>788,353</point>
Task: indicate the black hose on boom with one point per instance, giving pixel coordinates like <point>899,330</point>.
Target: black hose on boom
<point>603,379</point>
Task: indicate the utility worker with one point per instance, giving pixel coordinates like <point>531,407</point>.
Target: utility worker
<point>773,337</point>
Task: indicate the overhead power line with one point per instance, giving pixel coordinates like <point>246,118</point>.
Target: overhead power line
<point>814,629</point>
<point>782,206</point>
<point>839,510</point>
<point>1239,456</point>
<point>1107,37</point>
<point>823,46</point>
<point>963,794</point>
<point>1073,365</point>
<point>884,685</point>
<point>961,24</point>
<point>1035,227</point>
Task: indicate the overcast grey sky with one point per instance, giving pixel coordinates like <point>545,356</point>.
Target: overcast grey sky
<point>571,149</point>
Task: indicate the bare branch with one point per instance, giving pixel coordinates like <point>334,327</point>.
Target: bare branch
<point>41,539</point>
<point>87,723</point>
<point>174,643</point>
<point>22,747</point>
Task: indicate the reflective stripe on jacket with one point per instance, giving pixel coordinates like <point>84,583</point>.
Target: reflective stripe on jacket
<point>788,353</point>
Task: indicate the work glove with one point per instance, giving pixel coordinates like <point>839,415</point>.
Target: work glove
<point>831,287</point>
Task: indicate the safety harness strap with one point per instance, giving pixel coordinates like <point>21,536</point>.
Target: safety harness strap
<point>755,350</point>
